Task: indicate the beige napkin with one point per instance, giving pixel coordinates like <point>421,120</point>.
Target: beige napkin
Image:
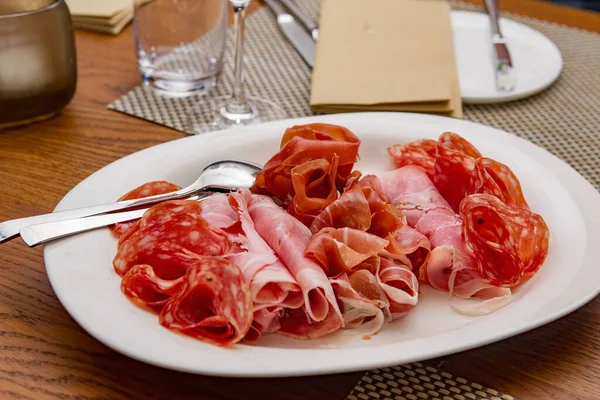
<point>104,16</point>
<point>385,55</point>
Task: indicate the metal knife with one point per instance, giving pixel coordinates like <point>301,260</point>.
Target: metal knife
<point>308,23</point>
<point>296,34</point>
<point>504,70</point>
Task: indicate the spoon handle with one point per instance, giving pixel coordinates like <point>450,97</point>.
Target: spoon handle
<point>33,235</point>
<point>10,229</point>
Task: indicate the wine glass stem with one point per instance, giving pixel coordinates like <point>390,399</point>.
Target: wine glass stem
<point>238,103</point>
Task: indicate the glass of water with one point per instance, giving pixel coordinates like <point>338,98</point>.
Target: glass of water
<point>180,44</point>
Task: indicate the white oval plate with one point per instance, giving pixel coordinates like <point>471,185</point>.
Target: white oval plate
<point>80,270</point>
<point>536,59</point>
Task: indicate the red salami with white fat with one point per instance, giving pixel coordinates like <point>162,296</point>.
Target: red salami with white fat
<point>213,305</point>
<point>145,190</point>
<point>177,222</point>
<point>507,243</point>
<point>145,289</point>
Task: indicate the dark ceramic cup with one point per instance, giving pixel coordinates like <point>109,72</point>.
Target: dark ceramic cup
<point>38,66</point>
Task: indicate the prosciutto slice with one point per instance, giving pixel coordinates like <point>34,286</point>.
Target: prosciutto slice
<point>340,250</point>
<point>288,238</point>
<point>304,143</point>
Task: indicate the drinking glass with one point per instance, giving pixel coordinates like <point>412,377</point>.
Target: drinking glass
<point>239,109</point>
<point>180,44</point>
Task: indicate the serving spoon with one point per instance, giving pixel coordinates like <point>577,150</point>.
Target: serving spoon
<point>221,176</point>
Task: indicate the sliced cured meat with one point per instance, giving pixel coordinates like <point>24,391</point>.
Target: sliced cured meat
<point>217,211</point>
<point>420,153</point>
<point>454,166</point>
<point>297,324</point>
<point>449,267</point>
<point>288,238</point>
<point>178,222</point>
<point>400,285</point>
<point>213,305</point>
<point>359,311</point>
<point>408,246</point>
<point>340,250</point>
<point>145,289</point>
<point>168,260</point>
<point>494,178</point>
<point>506,243</point>
<point>304,143</point>
<point>145,190</point>
<point>385,221</point>
<point>265,320</point>
<point>373,191</point>
<point>350,210</point>
<point>314,188</point>
<point>270,281</point>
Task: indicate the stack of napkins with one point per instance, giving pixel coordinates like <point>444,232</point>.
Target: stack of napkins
<point>104,16</point>
<point>385,55</point>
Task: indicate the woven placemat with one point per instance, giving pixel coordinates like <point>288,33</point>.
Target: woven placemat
<point>416,381</point>
<point>563,119</point>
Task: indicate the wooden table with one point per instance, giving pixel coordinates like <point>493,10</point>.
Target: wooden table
<point>44,354</point>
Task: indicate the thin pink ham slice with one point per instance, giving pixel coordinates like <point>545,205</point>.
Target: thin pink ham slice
<point>288,237</point>
<point>271,283</point>
<point>449,267</point>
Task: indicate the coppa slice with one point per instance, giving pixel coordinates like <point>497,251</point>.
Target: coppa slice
<point>288,237</point>
<point>213,305</point>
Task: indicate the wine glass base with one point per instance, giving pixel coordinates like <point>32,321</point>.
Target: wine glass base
<point>261,110</point>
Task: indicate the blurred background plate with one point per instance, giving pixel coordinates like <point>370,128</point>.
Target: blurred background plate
<point>537,60</point>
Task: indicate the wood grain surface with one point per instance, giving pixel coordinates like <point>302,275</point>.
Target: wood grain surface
<point>44,354</point>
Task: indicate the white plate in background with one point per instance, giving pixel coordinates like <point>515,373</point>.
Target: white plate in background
<point>536,59</point>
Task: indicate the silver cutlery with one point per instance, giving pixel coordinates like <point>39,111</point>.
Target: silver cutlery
<point>33,235</point>
<point>504,70</point>
<point>220,176</point>
<point>295,33</point>
<point>308,23</point>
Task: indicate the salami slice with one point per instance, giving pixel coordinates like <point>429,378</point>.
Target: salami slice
<point>145,190</point>
<point>454,166</point>
<point>420,152</point>
<point>507,243</point>
<point>495,178</point>
<point>178,222</point>
<point>213,305</point>
<point>145,289</point>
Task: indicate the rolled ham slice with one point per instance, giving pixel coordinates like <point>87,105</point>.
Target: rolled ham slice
<point>271,284</point>
<point>288,238</point>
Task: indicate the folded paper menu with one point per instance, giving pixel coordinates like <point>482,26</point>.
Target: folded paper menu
<point>385,55</point>
<point>104,16</point>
